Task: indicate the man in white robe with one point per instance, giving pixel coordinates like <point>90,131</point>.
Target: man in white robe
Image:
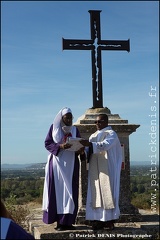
<point>105,160</point>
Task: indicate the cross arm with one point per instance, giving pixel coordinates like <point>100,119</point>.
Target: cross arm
<point>114,45</point>
<point>77,44</point>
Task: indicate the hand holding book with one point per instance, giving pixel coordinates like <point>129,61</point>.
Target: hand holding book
<point>75,144</point>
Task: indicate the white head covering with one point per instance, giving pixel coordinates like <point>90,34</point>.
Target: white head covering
<point>57,128</point>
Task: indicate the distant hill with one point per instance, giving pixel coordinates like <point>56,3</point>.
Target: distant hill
<point>22,166</point>
<point>14,166</point>
<point>140,163</point>
<point>42,165</point>
<point>37,165</point>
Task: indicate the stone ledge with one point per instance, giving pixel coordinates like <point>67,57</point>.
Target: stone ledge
<point>33,224</point>
<point>147,224</point>
<point>144,230</point>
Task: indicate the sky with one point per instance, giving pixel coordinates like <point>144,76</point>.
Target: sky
<point>38,78</point>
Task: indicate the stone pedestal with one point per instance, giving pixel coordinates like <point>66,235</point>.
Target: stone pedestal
<point>86,126</point>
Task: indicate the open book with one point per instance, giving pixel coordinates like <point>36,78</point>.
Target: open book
<point>76,145</point>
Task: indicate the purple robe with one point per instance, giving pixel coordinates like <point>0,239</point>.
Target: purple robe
<point>51,216</point>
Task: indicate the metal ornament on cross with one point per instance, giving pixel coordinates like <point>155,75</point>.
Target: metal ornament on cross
<point>96,45</point>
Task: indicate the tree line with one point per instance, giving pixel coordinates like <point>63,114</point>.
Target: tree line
<point>28,187</point>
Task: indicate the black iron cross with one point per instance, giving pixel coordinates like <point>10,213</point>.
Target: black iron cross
<point>96,45</point>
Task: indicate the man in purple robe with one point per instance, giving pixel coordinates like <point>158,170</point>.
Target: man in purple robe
<point>61,185</point>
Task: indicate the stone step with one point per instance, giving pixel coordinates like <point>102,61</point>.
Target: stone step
<point>145,228</point>
<point>112,121</point>
<point>122,230</point>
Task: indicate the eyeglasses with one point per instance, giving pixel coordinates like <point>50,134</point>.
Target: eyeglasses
<point>67,117</point>
<point>99,121</point>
